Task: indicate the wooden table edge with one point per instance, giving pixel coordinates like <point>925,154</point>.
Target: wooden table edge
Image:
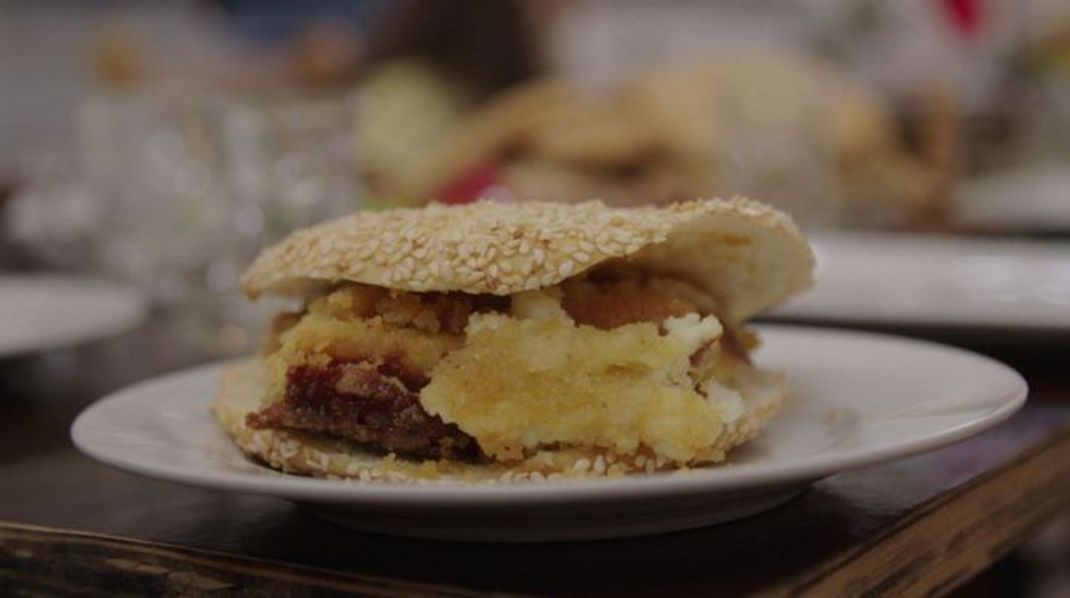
<point>180,569</point>
<point>933,550</point>
<point>956,535</point>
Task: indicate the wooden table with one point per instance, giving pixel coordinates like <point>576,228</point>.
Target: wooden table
<point>922,525</point>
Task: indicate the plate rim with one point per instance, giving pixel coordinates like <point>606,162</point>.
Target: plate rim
<point>454,494</point>
<point>138,313</point>
<point>792,312</point>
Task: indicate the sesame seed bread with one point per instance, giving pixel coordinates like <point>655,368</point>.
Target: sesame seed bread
<point>242,389</point>
<point>745,254</point>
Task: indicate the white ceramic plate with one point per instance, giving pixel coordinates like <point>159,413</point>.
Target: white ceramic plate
<point>858,399</point>
<point>47,312</point>
<point>938,281</point>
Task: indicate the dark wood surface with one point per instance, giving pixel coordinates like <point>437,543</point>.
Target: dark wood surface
<point>921,525</point>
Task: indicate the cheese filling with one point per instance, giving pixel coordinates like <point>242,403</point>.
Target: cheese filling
<point>521,383</point>
<point>623,363</point>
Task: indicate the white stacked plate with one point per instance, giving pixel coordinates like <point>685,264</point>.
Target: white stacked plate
<point>919,281</point>
<point>38,313</point>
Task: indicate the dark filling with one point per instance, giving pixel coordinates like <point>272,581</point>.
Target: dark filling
<point>376,402</point>
<point>376,405</point>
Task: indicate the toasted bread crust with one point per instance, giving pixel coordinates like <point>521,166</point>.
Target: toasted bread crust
<point>746,254</point>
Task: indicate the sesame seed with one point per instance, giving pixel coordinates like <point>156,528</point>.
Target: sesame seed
<point>599,466</point>
<point>542,242</point>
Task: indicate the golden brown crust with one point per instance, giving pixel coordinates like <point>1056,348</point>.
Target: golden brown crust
<point>242,387</point>
<point>744,253</point>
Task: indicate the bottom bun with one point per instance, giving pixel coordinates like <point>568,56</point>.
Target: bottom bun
<point>243,386</point>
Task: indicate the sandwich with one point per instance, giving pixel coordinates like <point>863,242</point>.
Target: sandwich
<point>507,342</point>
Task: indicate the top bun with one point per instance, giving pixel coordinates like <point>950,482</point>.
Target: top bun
<point>747,255</point>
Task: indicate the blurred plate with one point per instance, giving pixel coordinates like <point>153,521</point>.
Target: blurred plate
<point>1030,200</point>
<point>38,313</point>
<point>915,280</point>
<point>848,409</point>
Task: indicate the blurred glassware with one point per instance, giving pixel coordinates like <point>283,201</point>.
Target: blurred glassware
<point>194,184</point>
<point>53,215</point>
<point>153,159</point>
<point>289,163</point>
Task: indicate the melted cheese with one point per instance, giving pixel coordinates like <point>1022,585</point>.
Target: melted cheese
<point>518,384</point>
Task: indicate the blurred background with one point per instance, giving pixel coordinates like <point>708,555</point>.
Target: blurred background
<point>160,145</point>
